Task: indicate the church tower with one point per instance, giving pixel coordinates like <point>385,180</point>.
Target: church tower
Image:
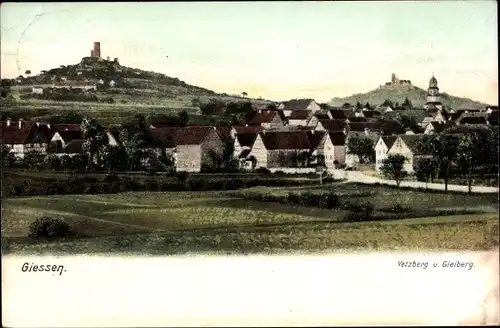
<point>433,99</point>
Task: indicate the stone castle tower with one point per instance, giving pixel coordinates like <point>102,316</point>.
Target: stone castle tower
<point>97,50</point>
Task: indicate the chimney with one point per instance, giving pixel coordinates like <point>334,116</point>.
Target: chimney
<point>20,123</point>
<point>8,122</point>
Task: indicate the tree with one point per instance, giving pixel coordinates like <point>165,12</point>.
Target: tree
<point>360,146</point>
<point>213,107</point>
<point>346,105</point>
<point>79,162</point>
<point>469,151</point>
<point>183,118</point>
<point>95,138</point>
<point>8,158</point>
<point>228,159</point>
<point>407,104</point>
<point>131,142</point>
<point>34,159</point>
<point>66,163</point>
<point>272,106</point>
<point>449,148</point>
<point>367,106</point>
<point>27,72</point>
<point>358,105</point>
<point>5,87</point>
<point>425,169</point>
<point>69,117</point>
<point>393,167</point>
<point>112,157</point>
<point>52,162</point>
<point>388,102</point>
<point>244,94</point>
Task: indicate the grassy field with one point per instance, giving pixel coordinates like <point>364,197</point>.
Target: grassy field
<point>168,223</point>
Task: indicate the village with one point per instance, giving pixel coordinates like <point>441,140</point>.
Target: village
<point>296,136</point>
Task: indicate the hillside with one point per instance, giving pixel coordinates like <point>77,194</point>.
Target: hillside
<point>125,85</point>
<point>416,95</point>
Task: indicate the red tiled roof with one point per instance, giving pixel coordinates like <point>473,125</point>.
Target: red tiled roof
<point>246,139</point>
<point>440,127</point>
<point>341,114</point>
<point>13,134</point>
<point>171,137</point>
<point>472,120</point>
<point>337,138</point>
<point>265,116</point>
<point>286,140</point>
<point>223,131</point>
<point>70,135</point>
<point>389,140</point>
<point>315,138</point>
<point>248,129</point>
<point>64,127</point>
<point>300,114</point>
<point>361,126</point>
<point>357,119</point>
<point>334,125</point>
<point>297,104</point>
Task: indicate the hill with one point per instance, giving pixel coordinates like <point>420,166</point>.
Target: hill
<point>120,92</point>
<point>124,84</point>
<point>416,95</point>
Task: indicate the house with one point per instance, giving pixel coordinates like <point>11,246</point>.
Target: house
<point>60,139</point>
<point>382,146</point>
<point>370,113</point>
<point>332,148</point>
<point>22,137</point>
<point>267,119</point>
<point>490,109</point>
<point>414,130</point>
<point>472,120</point>
<point>340,114</point>
<point>243,144</point>
<point>248,128</point>
<point>299,104</point>
<point>37,90</point>
<point>281,149</point>
<point>493,118</point>
<point>357,119</point>
<point>316,118</point>
<point>192,147</point>
<point>72,148</point>
<point>332,126</point>
<point>408,146</point>
<point>300,117</point>
<point>437,127</point>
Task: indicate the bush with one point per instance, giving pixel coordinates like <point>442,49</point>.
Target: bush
<point>182,176</point>
<point>263,170</point>
<point>47,227</point>
<point>358,212</point>
<point>397,208</point>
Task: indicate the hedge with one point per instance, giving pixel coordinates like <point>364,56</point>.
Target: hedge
<point>114,184</point>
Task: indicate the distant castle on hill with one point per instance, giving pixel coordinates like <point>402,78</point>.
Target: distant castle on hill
<point>396,81</point>
<point>96,53</point>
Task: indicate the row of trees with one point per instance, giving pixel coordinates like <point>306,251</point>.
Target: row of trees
<point>467,151</point>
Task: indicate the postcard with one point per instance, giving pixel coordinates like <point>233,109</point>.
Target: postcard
<point>249,164</point>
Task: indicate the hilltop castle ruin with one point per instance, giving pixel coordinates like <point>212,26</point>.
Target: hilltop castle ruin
<point>396,81</point>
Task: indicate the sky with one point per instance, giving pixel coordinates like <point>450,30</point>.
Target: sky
<point>274,50</point>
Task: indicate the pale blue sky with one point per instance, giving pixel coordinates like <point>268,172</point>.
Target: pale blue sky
<point>277,50</point>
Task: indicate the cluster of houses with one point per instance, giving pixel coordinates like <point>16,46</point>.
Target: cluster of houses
<point>297,135</point>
